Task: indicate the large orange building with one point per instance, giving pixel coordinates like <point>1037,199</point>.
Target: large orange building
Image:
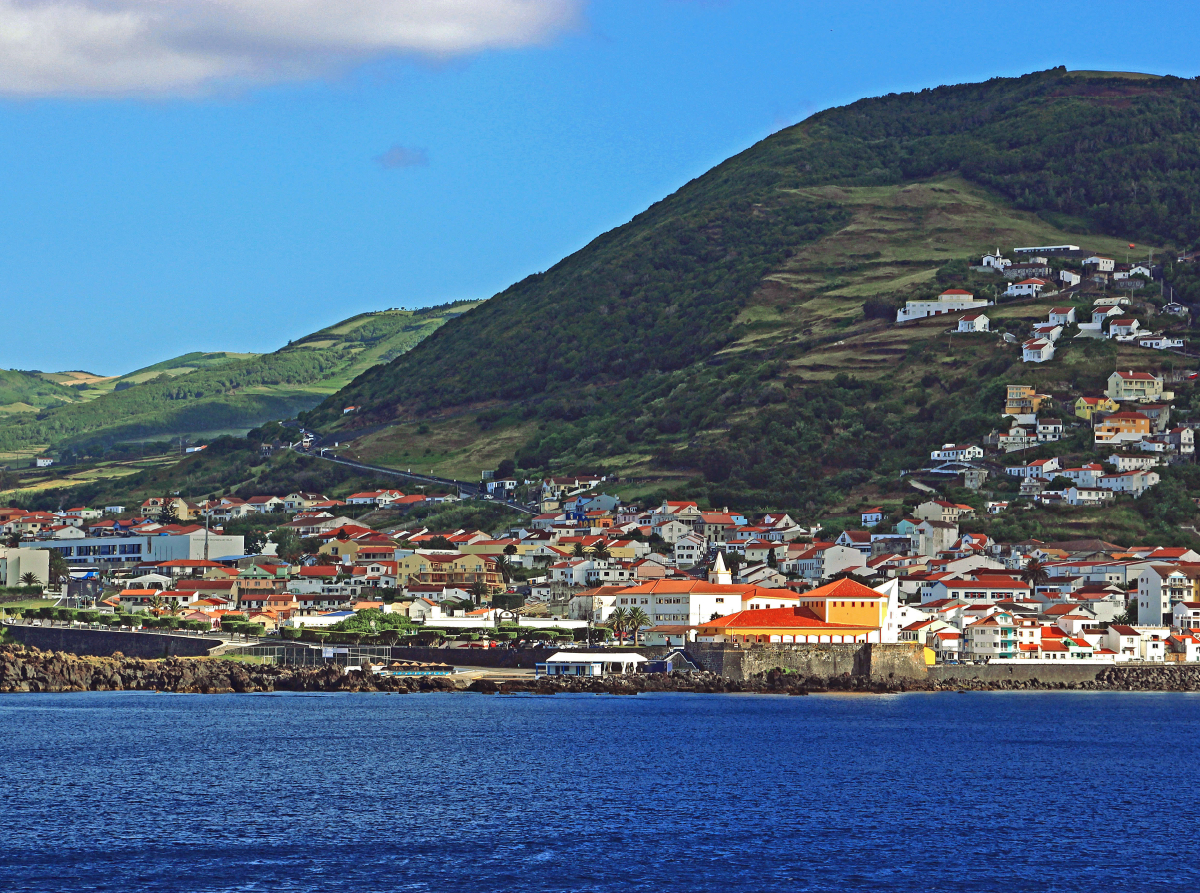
<point>839,612</point>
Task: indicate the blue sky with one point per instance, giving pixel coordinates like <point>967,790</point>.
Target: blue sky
<point>189,202</point>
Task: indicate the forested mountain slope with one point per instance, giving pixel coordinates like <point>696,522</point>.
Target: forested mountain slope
<point>737,332</point>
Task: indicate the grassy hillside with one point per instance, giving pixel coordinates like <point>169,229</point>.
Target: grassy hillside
<point>735,342</point>
<point>29,391</point>
<point>205,392</point>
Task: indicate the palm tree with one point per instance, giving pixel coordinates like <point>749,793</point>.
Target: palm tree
<point>13,540</point>
<point>618,621</point>
<point>157,603</point>
<point>479,591</point>
<point>505,566</point>
<point>1035,573</point>
<point>577,550</point>
<point>601,552</point>
<point>637,619</point>
<point>29,578</point>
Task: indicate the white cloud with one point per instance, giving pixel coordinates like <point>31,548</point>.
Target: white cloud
<point>171,47</point>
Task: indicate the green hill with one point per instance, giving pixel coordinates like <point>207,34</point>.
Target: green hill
<point>734,341</point>
<point>208,392</point>
<point>30,391</point>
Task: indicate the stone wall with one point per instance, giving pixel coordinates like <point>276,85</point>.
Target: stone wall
<point>104,643</point>
<point>871,661</point>
<point>1048,673</point>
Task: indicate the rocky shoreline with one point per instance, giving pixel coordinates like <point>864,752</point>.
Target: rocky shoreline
<point>31,670</point>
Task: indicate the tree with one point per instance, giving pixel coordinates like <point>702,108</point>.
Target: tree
<point>637,619</point>
<point>505,568</point>
<point>60,571</point>
<point>254,541</point>
<point>734,562</point>
<point>168,514</point>
<point>510,549</point>
<point>577,550</point>
<point>29,578</point>
<point>1035,573</point>
<point>287,543</point>
<point>601,552</point>
<point>479,591</point>
<point>772,560</point>
<point>505,469</point>
<point>618,620</point>
<point>157,604</point>
<point>440,542</point>
<point>13,540</point>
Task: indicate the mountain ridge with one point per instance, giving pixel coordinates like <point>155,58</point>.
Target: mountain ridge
<point>703,339</point>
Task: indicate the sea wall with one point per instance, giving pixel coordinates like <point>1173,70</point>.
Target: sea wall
<point>876,662</point>
<point>105,643</point>
<point>1047,673</point>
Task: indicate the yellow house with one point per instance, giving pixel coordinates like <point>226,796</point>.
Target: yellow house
<point>1134,386</point>
<point>1087,407</point>
<point>450,568</point>
<point>1022,400</point>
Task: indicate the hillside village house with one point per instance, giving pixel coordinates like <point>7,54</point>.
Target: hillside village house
<point>1049,430</point>
<point>1132,385</point>
<point>953,452</point>
<point>1023,403</point>
<point>1037,350</point>
<point>1062,316</point>
<point>1123,328</point>
<point>1159,342</point>
<point>1069,278</point>
<point>1122,427</point>
<point>1102,264</point>
<point>1087,407</point>
<point>950,301</point>
<point>1026,288</point>
<point>1047,331</point>
<point>974,322</point>
<point>872,516</point>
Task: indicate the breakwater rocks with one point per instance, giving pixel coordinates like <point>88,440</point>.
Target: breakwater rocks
<point>31,670</point>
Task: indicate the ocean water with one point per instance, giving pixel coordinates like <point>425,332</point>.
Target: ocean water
<point>443,792</point>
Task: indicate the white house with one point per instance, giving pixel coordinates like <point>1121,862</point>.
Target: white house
<point>1049,430</point>
<point>974,322</point>
<point>872,516</point>
<point>1087,496</point>
<point>1086,476</point>
<point>1123,462</point>
<point>1159,342</point>
<point>1037,350</point>
<point>1047,331</point>
<point>1043,468</point>
<point>690,550</point>
<point>1133,482</point>
<point>950,301</point>
<point>1026,287</point>
<point>1068,278</point>
<point>1102,264</point>
<point>1186,615</point>
<point>1062,316</point>
<point>1101,312</point>
<point>953,452</point>
<point>1119,328</point>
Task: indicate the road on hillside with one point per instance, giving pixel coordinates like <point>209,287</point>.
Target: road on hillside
<point>469,489</point>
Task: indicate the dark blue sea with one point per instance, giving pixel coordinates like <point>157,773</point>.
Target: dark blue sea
<point>364,793</point>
